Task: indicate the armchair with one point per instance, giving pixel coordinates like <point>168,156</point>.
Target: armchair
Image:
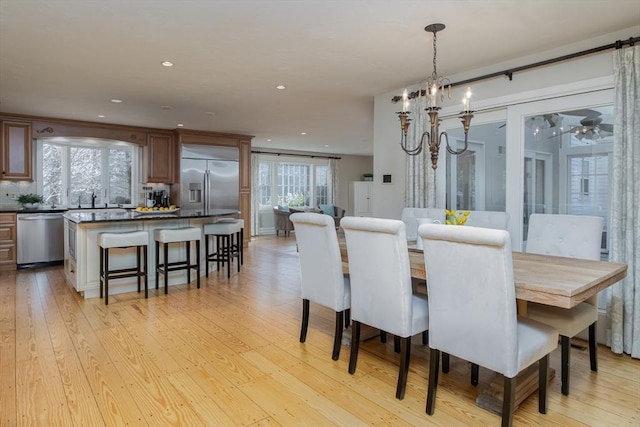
<point>334,211</point>
<point>282,221</point>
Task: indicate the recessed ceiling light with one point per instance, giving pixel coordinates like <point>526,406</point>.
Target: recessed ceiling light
<point>281,87</point>
<point>116,101</point>
<point>180,125</point>
<point>167,64</point>
<point>303,133</point>
<point>165,107</point>
<point>326,146</point>
<point>268,140</point>
<point>101,116</point>
<point>211,113</point>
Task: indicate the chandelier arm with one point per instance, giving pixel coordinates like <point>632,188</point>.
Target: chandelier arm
<point>410,151</point>
<point>451,150</point>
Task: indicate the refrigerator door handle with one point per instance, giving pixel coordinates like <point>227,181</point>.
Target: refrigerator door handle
<point>207,189</point>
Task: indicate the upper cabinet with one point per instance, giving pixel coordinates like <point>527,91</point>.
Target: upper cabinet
<point>16,151</point>
<point>159,158</point>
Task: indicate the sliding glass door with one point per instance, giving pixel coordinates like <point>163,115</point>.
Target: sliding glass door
<point>562,161</point>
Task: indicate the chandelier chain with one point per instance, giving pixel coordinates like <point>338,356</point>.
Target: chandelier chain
<point>434,74</point>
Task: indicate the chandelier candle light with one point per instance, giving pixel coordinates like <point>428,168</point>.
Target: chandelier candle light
<point>436,86</point>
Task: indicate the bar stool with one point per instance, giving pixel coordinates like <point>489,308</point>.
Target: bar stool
<point>107,241</point>
<point>226,249</point>
<point>240,241</point>
<point>176,235</point>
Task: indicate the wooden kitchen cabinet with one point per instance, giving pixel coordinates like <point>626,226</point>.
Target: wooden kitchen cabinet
<point>7,241</point>
<point>16,151</point>
<point>159,158</point>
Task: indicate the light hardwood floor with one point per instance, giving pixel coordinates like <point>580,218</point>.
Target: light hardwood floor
<point>228,354</point>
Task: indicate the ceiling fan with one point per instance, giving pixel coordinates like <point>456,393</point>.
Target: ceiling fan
<point>591,127</point>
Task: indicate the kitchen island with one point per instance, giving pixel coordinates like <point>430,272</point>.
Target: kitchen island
<point>81,251</point>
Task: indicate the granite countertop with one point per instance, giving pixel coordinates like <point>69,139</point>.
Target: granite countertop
<point>18,209</point>
<point>96,217</point>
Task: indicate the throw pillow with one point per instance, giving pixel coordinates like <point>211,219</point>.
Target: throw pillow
<point>283,208</point>
<point>327,209</point>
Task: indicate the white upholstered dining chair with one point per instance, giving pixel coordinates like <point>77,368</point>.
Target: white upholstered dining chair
<point>571,236</point>
<point>381,292</point>
<point>322,279</point>
<point>472,310</point>
<point>488,219</point>
<point>411,215</point>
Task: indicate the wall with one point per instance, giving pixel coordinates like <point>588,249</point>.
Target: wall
<point>389,199</point>
<point>351,168</point>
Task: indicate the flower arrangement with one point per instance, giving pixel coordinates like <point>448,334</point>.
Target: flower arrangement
<point>453,218</point>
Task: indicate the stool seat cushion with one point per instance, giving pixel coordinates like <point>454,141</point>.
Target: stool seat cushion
<point>123,240</point>
<point>171,235</point>
<point>223,228</point>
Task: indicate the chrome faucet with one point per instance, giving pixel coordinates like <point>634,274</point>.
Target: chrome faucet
<point>93,200</point>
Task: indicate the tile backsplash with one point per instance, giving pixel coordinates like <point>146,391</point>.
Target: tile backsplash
<point>9,191</point>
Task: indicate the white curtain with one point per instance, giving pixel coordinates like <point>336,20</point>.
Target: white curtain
<point>332,178</point>
<point>623,298</point>
<point>255,185</point>
<point>420,188</point>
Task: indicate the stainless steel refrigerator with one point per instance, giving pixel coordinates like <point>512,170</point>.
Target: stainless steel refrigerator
<point>209,177</point>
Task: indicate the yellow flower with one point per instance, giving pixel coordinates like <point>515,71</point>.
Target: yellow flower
<point>456,218</point>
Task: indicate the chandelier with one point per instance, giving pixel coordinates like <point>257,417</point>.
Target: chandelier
<point>436,86</point>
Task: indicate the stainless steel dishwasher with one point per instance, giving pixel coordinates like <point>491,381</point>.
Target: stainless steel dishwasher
<point>40,238</point>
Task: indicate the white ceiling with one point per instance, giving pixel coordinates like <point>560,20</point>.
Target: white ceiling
<point>69,58</point>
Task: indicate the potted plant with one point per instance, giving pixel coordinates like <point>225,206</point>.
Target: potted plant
<point>30,200</point>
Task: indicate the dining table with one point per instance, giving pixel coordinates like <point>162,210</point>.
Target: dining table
<point>544,279</point>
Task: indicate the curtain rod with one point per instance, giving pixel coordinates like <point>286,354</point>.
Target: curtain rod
<point>618,44</point>
<point>313,156</point>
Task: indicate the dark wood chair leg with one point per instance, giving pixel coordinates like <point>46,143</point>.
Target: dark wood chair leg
<point>434,368</point>
<point>593,347</point>
<point>355,344</point>
<point>157,264</point>
<point>543,383</point>
<point>198,263</point>
<point>305,320</point>
<point>565,348</point>
<point>166,268</point>
<point>337,339</point>
<point>138,266</point>
<point>241,246</point>
<point>228,254</point>
<point>238,254</point>
<point>509,401</point>
<point>188,262</point>
<point>101,272</point>
<point>405,356</point>
<point>396,344</point>
<point>106,276</point>
<point>145,259</point>
<point>347,317</point>
<point>218,252</point>
<point>425,337</point>
<point>445,362</point>
<point>474,373</point>
<point>383,337</point>
<point>206,256</point>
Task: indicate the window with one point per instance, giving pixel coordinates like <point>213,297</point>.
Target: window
<point>322,185</point>
<point>292,181</point>
<point>74,169</point>
<point>294,184</point>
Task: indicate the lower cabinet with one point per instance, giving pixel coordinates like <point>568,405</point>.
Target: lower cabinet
<point>362,198</point>
<point>7,241</point>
